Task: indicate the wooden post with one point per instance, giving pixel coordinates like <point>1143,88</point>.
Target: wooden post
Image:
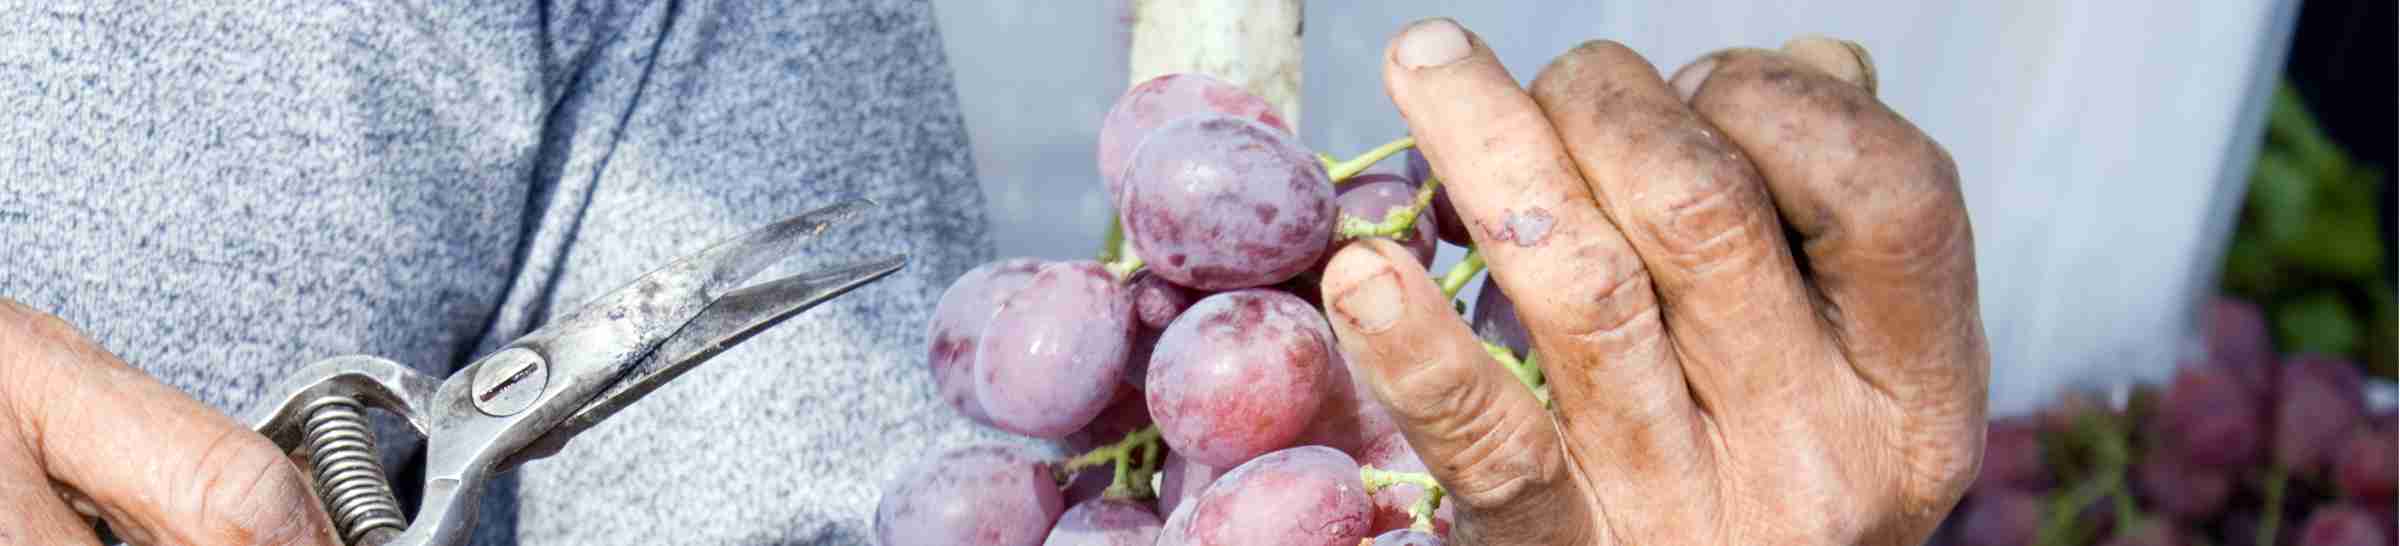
<point>1251,43</point>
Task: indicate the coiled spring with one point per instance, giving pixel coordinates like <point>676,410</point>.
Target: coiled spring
<point>349,470</point>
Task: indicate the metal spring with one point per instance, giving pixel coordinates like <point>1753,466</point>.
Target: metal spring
<point>349,470</point>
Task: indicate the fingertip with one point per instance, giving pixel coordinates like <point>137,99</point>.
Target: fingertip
<point>1843,59</point>
<point>1362,288</point>
<point>1689,79</point>
<point>1430,42</point>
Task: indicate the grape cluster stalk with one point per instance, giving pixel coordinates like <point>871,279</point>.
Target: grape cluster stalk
<point>1188,369</point>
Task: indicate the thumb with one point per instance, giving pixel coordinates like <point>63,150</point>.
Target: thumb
<point>1479,431</point>
<point>159,466</point>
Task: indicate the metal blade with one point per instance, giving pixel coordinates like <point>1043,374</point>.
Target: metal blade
<point>726,322</point>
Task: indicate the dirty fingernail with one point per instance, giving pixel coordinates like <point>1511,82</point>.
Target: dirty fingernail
<point>1687,81</point>
<point>1843,59</point>
<point>1372,303</point>
<point>1432,42</point>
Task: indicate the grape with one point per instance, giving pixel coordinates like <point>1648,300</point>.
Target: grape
<point>1239,374</point>
<point>1495,320</point>
<point>1137,359</point>
<point>1391,503</point>
<point>1302,496</point>
<point>1370,196</point>
<point>1088,484</point>
<point>2342,525</point>
<point>1163,99</point>
<point>2153,533</point>
<point>1157,302</point>
<point>980,495</point>
<point>2177,488</point>
<point>2318,401</point>
<point>1351,418</point>
<point>2210,418</point>
<point>1180,479</point>
<point>2000,518</point>
<point>1445,216</point>
<point>2364,469</point>
<point>1127,412</point>
<point>958,323</point>
<point>1406,537</point>
<point>1216,203</point>
<point>2012,457</point>
<point>2238,341</point>
<point>1105,522</point>
<point>1056,350</point>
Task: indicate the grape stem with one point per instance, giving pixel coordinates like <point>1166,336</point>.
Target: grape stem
<point>1134,459</point>
<point>2111,451</point>
<point>1343,170</point>
<point>1112,241</point>
<point>1126,264</point>
<point>1420,513</point>
<point>1527,370</point>
<point>1456,279</point>
<point>1397,223</point>
<point>2277,478</point>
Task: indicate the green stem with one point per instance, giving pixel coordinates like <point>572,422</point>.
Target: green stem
<point>1421,512</point>
<point>1132,473</point>
<point>1456,279</point>
<point>1112,241</point>
<point>1126,264</point>
<point>1343,170</point>
<point>1526,370</point>
<point>2277,478</point>
<point>1397,224</point>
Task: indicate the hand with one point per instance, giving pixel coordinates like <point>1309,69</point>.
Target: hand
<point>84,435</point>
<point>1714,382</point>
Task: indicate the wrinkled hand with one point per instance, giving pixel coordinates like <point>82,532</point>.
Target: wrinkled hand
<point>1752,290</point>
<point>84,435</point>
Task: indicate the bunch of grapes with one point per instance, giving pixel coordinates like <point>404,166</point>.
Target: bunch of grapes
<point>1189,368</point>
<point>2241,449</point>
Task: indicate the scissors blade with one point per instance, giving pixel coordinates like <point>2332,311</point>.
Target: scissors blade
<point>727,321</point>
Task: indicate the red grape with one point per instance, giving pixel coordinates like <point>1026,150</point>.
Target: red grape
<point>958,324</point>
<point>2152,533</point>
<point>1495,320</point>
<point>1163,99</point>
<point>1370,196</point>
<point>1127,412</point>
<point>1239,374</point>
<point>1391,503</point>
<point>1180,479</point>
<point>981,495</point>
<point>1302,496</point>
<point>1157,302</point>
<point>2238,340</point>
<point>2343,525</point>
<point>2012,457</point>
<point>2317,402</point>
<point>1445,216</point>
<point>2364,469</point>
<point>2177,488</point>
<point>1351,418</point>
<point>1056,351</point>
<point>1217,203</point>
<point>1999,518</point>
<point>2210,418</point>
<point>1406,537</point>
<point>1105,522</point>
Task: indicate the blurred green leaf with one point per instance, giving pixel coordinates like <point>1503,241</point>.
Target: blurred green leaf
<point>2318,322</point>
<point>2383,341</point>
<point>2250,272</point>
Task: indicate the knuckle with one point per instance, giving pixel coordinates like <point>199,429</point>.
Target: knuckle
<point>1613,293</point>
<point>1708,218</point>
<point>1915,217</point>
<point>1509,459</point>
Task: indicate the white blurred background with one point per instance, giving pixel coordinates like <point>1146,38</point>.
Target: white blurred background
<point>2102,144</point>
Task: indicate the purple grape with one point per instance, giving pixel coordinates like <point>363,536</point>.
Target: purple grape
<point>1127,412</point>
<point>2000,518</point>
<point>1056,351</point>
<point>1088,484</point>
<point>1406,537</point>
<point>1495,319</point>
<point>1164,99</point>
<point>2173,487</point>
<point>1105,522</point>
<point>1446,220</point>
<point>1351,418</point>
<point>1391,503</point>
<point>1303,496</point>
<point>2210,418</point>
<point>958,324</point>
<point>2343,525</point>
<point>2154,533</point>
<point>1239,374</point>
<point>1137,359</point>
<point>2318,401</point>
<point>1371,196</point>
<point>2364,469</point>
<point>981,495</point>
<point>1180,479</point>
<point>2238,340</point>
<point>1217,203</point>
<point>2012,457</point>
<point>1157,302</point>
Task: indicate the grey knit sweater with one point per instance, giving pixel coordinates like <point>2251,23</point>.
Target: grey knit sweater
<point>223,192</point>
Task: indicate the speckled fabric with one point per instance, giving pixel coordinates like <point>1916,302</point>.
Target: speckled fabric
<point>222,192</point>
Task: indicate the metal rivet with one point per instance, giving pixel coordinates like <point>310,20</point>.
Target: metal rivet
<point>509,382</point>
